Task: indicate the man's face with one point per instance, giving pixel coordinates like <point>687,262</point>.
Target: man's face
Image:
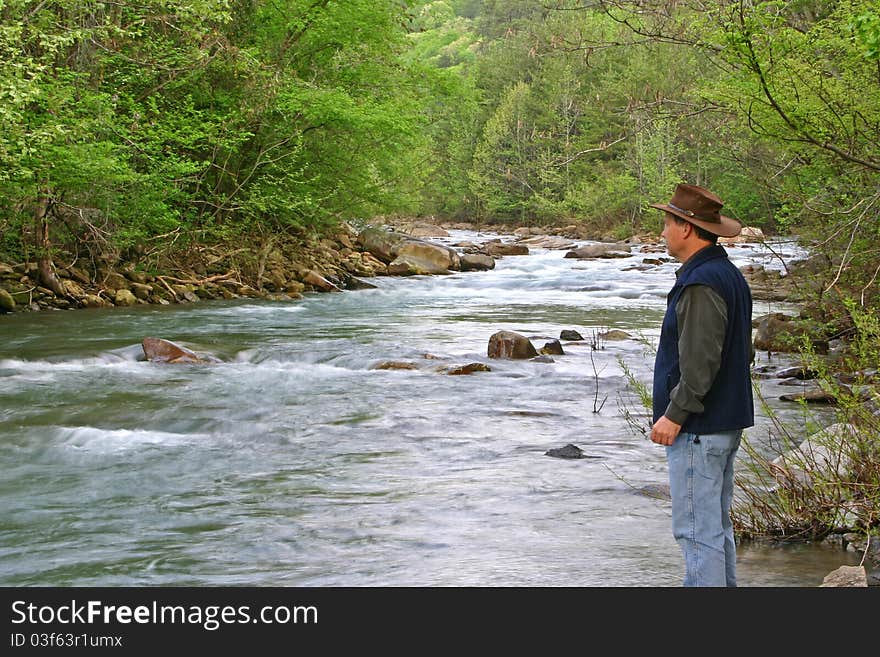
<point>674,234</point>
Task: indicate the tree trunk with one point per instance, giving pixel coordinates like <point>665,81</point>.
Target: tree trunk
<point>45,265</point>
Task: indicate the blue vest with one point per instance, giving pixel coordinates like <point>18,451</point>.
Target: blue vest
<point>728,405</point>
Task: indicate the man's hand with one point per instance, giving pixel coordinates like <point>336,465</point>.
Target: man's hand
<point>664,431</point>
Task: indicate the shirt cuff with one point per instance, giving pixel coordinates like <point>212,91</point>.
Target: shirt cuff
<point>676,413</point>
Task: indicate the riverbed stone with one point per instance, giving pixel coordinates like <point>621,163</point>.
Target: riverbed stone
<point>7,303</point>
<point>72,289</point>
<point>569,451</point>
<point>847,576</point>
<point>443,257</point>
<point>79,275</point>
<point>548,242</point>
<point>615,334</point>
<point>124,298</point>
<point>800,373</point>
<point>552,348</point>
<point>655,491</point>
<point>136,276</point>
<point>318,282</point>
<point>747,234</point>
<point>470,368</point>
<point>425,229</point>
<point>814,394</point>
<point>115,280</point>
<point>93,301</point>
<point>185,293</point>
<point>509,344</point>
<point>778,332</point>
<point>823,452</point>
<point>394,365</point>
<point>601,250</point>
<point>502,249</point>
<point>476,262</point>
<point>409,265</point>
<point>382,244</point>
<point>355,283</point>
<point>141,290</point>
<point>159,350</point>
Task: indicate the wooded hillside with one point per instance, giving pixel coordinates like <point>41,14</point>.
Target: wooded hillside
<point>127,126</point>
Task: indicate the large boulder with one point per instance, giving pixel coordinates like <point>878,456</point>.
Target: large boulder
<point>783,333</point>
<point>476,262</point>
<point>408,265</point>
<point>408,255</point>
<point>508,344</point>
<point>825,452</point>
<point>383,244</point>
<point>502,249</point>
<point>437,255</point>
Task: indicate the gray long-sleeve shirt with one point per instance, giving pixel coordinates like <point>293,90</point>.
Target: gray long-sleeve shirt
<point>701,314</point>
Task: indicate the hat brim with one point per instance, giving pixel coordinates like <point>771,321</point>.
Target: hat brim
<point>727,227</point>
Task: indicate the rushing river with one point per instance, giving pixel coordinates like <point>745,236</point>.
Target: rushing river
<point>295,462</point>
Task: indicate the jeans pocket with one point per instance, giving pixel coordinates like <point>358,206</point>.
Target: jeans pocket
<point>715,450</point>
<point>717,444</point>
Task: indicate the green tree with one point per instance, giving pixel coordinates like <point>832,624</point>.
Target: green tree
<point>63,143</point>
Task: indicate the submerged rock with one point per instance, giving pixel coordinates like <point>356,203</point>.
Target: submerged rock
<point>656,491</point>
<point>568,452</point>
<point>470,368</point>
<point>158,350</point>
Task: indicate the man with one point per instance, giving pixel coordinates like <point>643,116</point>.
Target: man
<point>702,393</point>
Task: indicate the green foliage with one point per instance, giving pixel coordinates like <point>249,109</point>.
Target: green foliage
<point>867,30</point>
<point>198,114</point>
<point>798,487</point>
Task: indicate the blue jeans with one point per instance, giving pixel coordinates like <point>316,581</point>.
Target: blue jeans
<point>701,485</point>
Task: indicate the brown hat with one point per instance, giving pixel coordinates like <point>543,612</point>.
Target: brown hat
<point>702,208</point>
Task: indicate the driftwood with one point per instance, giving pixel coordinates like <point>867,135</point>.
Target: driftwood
<point>188,281</point>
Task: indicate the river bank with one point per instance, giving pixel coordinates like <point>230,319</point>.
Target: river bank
<point>279,267</point>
